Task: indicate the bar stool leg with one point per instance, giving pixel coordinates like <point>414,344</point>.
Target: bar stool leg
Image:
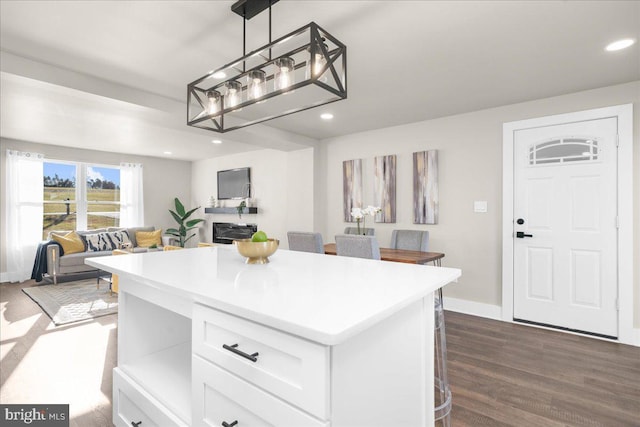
<point>442,391</point>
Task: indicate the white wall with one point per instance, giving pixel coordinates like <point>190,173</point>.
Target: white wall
<point>282,183</point>
<point>164,179</point>
<point>470,168</point>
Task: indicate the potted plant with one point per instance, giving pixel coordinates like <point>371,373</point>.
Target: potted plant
<point>240,208</point>
<point>181,216</point>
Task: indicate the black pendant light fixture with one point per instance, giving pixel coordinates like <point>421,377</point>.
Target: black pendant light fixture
<point>303,69</point>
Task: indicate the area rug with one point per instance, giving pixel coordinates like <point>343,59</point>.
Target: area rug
<point>74,301</point>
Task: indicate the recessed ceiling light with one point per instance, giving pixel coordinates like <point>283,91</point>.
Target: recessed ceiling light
<point>216,141</point>
<point>168,153</point>
<point>219,75</point>
<point>619,44</point>
<point>326,116</point>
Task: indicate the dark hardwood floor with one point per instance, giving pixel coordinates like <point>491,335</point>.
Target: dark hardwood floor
<point>505,374</point>
<point>501,374</point>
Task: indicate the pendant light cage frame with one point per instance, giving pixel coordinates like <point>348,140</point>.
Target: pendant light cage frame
<point>252,94</point>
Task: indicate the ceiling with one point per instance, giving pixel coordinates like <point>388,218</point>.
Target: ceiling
<point>408,61</point>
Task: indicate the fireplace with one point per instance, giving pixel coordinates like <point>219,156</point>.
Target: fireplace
<point>227,232</point>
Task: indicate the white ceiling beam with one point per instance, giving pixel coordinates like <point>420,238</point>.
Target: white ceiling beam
<point>258,135</point>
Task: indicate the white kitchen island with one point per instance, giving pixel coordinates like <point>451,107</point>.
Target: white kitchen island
<point>306,340</point>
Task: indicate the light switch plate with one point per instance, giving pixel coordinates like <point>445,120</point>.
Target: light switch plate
<point>480,206</point>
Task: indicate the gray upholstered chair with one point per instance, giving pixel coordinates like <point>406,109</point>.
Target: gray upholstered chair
<point>305,241</point>
<point>410,240</point>
<point>354,230</point>
<point>357,246</point>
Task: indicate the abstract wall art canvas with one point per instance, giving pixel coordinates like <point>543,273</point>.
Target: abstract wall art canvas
<point>384,191</point>
<point>425,187</point>
<point>351,186</point>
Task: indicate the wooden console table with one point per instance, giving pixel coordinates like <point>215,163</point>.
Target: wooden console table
<point>399,255</point>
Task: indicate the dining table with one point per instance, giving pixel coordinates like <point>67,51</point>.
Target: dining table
<point>399,255</point>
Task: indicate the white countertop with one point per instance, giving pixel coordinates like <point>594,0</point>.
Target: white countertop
<point>323,298</point>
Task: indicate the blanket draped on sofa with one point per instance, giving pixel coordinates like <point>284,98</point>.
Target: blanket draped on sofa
<point>40,263</point>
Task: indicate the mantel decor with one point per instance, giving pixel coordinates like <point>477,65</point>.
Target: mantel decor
<point>303,69</point>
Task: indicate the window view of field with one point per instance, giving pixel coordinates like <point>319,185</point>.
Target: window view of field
<point>102,190</point>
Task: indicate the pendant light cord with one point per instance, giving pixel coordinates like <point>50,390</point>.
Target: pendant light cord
<point>269,30</point>
<point>244,38</point>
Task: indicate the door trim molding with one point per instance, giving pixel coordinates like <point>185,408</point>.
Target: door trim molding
<point>624,115</point>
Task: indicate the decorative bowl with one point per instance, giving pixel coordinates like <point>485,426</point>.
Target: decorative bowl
<point>256,252</point>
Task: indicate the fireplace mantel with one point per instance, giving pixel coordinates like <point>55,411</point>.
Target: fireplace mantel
<point>230,210</point>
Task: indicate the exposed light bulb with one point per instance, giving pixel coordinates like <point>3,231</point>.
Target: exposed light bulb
<point>257,86</point>
<point>214,102</point>
<point>317,62</point>
<point>234,94</point>
<point>284,75</point>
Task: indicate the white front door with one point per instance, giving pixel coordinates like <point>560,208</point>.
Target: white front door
<point>565,232</point>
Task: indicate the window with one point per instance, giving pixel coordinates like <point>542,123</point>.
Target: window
<point>103,197</point>
<point>564,150</point>
<point>60,207</point>
<point>80,196</point>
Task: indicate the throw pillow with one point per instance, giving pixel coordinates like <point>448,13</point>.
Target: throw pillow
<point>118,239</point>
<point>71,243</point>
<point>149,238</point>
<point>106,241</point>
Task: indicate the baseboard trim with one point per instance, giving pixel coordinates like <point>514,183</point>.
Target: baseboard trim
<point>494,312</point>
<point>479,309</point>
<point>4,277</point>
<point>634,340</point>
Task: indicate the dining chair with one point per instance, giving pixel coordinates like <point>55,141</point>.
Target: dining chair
<point>304,241</point>
<point>363,231</point>
<point>357,246</point>
<point>410,240</point>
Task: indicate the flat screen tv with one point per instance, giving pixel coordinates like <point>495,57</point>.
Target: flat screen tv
<point>234,184</point>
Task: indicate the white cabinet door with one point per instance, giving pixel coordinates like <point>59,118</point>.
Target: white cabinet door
<point>565,226</point>
<point>294,369</point>
<point>132,405</point>
<point>221,397</point>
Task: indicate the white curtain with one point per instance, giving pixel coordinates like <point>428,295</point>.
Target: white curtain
<point>131,195</point>
<point>24,190</point>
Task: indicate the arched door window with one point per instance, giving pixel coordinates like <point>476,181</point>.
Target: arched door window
<point>564,150</point>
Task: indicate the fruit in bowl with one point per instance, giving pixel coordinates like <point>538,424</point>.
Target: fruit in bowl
<point>259,236</point>
<point>258,248</point>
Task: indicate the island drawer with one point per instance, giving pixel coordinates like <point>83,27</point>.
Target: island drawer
<point>291,368</point>
<point>221,397</point>
<point>132,405</point>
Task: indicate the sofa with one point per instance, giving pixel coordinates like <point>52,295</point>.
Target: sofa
<point>95,243</point>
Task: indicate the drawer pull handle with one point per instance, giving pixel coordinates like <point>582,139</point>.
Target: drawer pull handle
<point>226,424</point>
<point>232,348</point>
<point>136,424</point>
